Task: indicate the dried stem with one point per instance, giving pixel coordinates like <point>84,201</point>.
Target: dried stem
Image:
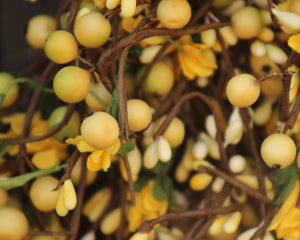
<point>147,226</point>
<point>175,110</point>
<point>236,183</point>
<point>246,117</point>
<point>51,132</point>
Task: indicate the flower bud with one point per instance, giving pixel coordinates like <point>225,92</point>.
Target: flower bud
<point>210,125</point>
<point>164,150</point>
<point>233,222</point>
<point>128,8</point>
<point>287,19</point>
<point>276,54</point>
<point>151,155</point>
<point>111,222</point>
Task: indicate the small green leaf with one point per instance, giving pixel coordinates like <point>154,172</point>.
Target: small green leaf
<point>18,181</point>
<point>179,48</point>
<point>3,144</point>
<point>113,108</point>
<point>98,99</point>
<point>126,148</point>
<point>284,181</point>
<point>141,182</point>
<point>162,188</point>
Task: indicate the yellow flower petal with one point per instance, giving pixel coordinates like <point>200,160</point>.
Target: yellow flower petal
<point>69,196</point>
<point>113,150</point>
<point>105,161</point>
<point>61,209</point>
<point>80,143</point>
<point>294,42</point>
<point>45,159</point>
<point>16,122</point>
<point>287,207</point>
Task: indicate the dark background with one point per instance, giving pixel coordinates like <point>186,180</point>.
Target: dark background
<point>15,53</point>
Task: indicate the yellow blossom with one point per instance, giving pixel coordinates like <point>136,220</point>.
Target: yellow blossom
<point>67,199</point>
<point>45,152</point>
<point>146,208</point>
<point>286,222</point>
<point>98,159</point>
<point>294,42</point>
<point>196,60</point>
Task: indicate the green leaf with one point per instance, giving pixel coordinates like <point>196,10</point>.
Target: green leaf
<point>18,181</point>
<point>3,144</point>
<point>284,181</point>
<point>113,108</point>
<point>98,99</point>
<point>162,188</point>
<point>141,182</point>
<point>126,148</point>
<point>179,48</point>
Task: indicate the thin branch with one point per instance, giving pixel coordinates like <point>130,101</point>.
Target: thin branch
<point>147,226</point>
<point>236,183</point>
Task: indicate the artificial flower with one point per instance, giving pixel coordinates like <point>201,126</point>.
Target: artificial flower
<point>98,159</point>
<point>47,152</point>
<point>286,222</point>
<point>146,207</point>
<point>196,60</point>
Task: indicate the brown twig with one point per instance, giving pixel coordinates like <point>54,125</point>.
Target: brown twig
<point>76,217</point>
<point>147,226</point>
<point>72,14</point>
<point>51,132</point>
<point>246,117</point>
<point>175,110</point>
<point>236,183</point>
<point>124,117</point>
<point>67,175</point>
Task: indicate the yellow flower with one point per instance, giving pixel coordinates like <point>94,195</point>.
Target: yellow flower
<point>294,42</point>
<point>286,222</point>
<point>98,159</point>
<point>197,60</point>
<point>47,152</point>
<point>67,199</point>
<point>146,208</point>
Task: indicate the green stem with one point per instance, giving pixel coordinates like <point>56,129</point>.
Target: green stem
<point>174,43</point>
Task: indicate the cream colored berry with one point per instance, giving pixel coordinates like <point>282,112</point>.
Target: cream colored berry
<point>41,194</point>
<point>100,130</point>
<point>246,22</point>
<point>92,30</point>
<point>278,150</point>
<point>139,115</point>
<point>242,91</point>
<point>174,14</point>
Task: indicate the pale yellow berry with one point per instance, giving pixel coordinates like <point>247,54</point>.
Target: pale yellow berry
<point>100,130</point>
<point>139,115</point>
<point>246,22</point>
<point>278,150</point>
<point>39,28</point>
<point>242,91</point>
<point>41,194</point>
<point>92,30</point>
<point>174,14</point>
<point>13,224</point>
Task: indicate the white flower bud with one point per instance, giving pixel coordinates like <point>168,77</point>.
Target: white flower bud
<point>164,150</point>
<point>233,222</point>
<point>228,35</point>
<point>200,150</point>
<point>258,48</point>
<point>151,155</point>
<point>128,8</point>
<point>237,163</point>
<point>287,19</point>
<point>111,4</point>
<point>263,113</point>
<point>213,147</point>
<point>217,184</point>
<point>111,222</point>
<point>209,37</point>
<point>211,126</point>
<point>276,54</point>
<point>149,53</point>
